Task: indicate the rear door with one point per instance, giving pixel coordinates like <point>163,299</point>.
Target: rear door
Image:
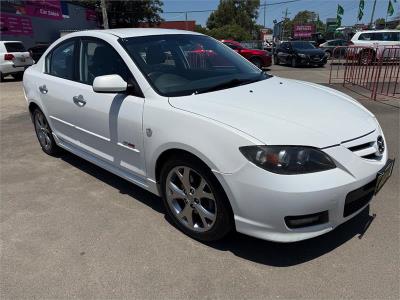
<point>21,57</point>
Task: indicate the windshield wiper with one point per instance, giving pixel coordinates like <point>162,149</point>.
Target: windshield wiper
<point>228,84</point>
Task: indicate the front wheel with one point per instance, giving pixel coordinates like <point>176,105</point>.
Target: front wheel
<point>44,133</point>
<point>194,199</point>
<point>294,62</point>
<point>276,60</point>
<point>257,62</point>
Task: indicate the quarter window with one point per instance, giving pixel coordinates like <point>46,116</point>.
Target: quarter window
<point>61,61</point>
<point>99,58</point>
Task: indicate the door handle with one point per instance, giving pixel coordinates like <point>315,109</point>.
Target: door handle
<point>43,89</point>
<point>79,100</point>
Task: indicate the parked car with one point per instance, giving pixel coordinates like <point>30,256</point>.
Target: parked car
<point>296,53</point>
<point>37,51</point>
<point>375,42</point>
<point>226,147</point>
<point>261,58</point>
<point>329,46</point>
<point>14,59</point>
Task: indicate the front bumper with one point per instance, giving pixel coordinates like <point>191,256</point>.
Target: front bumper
<point>261,200</point>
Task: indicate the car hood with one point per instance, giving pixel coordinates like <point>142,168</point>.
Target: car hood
<point>310,51</point>
<point>279,111</point>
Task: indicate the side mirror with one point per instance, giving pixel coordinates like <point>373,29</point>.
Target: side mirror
<point>109,84</point>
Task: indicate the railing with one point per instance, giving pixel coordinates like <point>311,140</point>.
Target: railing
<point>374,70</point>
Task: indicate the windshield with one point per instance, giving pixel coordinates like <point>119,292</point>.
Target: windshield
<point>184,64</point>
<point>14,47</point>
<point>302,45</point>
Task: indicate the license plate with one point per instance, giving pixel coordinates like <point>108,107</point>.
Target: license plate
<point>383,175</point>
<point>22,59</point>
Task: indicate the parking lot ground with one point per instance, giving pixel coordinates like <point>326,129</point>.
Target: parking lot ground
<point>72,230</point>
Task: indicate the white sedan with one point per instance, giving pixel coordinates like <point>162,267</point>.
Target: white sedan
<point>226,146</point>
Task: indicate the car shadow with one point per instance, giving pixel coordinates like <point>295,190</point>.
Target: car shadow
<point>252,249</point>
<point>10,79</point>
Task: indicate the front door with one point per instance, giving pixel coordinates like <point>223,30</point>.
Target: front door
<point>109,125</point>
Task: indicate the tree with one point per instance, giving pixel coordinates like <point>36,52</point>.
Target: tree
<point>380,22</point>
<point>230,31</point>
<point>128,13</point>
<point>304,17</point>
<point>242,13</point>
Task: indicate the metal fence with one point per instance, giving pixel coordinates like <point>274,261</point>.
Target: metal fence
<point>375,70</point>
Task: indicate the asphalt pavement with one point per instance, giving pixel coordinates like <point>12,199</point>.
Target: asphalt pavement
<point>72,230</point>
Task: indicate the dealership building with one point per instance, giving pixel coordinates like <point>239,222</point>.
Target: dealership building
<point>42,21</point>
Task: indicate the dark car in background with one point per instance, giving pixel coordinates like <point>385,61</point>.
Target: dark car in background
<point>260,58</point>
<point>329,46</point>
<point>37,51</point>
<point>298,53</point>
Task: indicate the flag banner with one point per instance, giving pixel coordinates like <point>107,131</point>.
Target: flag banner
<point>340,10</point>
<point>390,10</point>
<point>360,14</point>
<point>338,20</point>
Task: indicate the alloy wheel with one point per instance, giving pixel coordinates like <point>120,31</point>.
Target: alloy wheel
<point>191,199</point>
<point>42,130</point>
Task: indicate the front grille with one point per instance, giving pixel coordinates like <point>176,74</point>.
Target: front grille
<point>366,150</point>
<point>358,198</point>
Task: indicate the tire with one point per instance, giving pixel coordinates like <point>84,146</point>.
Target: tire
<point>321,65</point>
<point>366,57</point>
<point>257,62</point>
<point>276,60</point>
<point>44,133</point>
<point>328,55</point>
<point>193,197</point>
<point>18,76</point>
<point>293,62</point>
<point>1,77</point>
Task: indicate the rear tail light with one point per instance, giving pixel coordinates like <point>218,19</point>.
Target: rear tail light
<point>8,56</point>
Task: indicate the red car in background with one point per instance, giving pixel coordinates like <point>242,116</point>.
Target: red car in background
<point>260,58</point>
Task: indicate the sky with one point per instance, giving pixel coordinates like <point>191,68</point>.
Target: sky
<point>325,8</point>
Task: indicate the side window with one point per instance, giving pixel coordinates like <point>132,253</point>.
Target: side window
<point>234,47</point>
<point>365,37</point>
<point>98,58</point>
<point>60,62</point>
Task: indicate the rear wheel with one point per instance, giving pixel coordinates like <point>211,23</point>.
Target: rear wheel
<point>44,133</point>
<point>195,200</point>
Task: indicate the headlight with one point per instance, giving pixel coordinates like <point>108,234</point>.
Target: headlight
<point>302,55</point>
<point>288,160</point>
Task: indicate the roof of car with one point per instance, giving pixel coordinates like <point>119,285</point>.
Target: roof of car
<point>132,32</point>
<point>381,30</point>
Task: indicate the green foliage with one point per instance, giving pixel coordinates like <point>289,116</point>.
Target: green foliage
<point>231,32</point>
<point>234,14</point>
<point>127,13</point>
<point>380,21</point>
<point>303,17</point>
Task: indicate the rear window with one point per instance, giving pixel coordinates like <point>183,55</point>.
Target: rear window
<point>15,47</point>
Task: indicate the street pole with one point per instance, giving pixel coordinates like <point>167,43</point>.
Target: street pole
<point>265,5</point>
<point>104,13</point>
<point>372,14</point>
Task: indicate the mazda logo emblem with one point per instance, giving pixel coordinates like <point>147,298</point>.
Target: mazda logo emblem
<point>381,144</point>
